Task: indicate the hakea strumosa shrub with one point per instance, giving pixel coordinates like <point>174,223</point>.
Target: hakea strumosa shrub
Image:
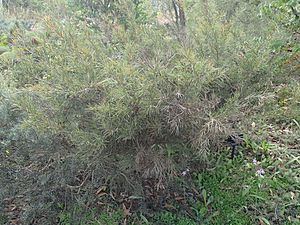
<point>145,90</point>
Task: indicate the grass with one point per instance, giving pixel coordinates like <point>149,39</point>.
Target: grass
<point>66,218</point>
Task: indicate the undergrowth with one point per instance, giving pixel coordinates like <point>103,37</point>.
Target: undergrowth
<point>233,192</point>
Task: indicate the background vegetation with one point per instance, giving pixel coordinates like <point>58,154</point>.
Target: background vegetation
<point>118,111</point>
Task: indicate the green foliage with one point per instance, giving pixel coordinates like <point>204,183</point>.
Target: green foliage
<point>90,217</point>
<point>168,218</point>
<point>227,205</point>
<point>32,4</point>
<point>241,194</point>
<point>3,40</point>
<point>147,83</point>
<point>285,12</point>
<point>114,100</point>
<point>122,12</point>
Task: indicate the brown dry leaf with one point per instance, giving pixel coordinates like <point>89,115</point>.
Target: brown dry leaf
<point>14,222</point>
<point>169,206</point>
<point>101,194</point>
<point>13,208</point>
<point>179,198</point>
<point>126,211</point>
<point>100,203</point>
<point>101,189</point>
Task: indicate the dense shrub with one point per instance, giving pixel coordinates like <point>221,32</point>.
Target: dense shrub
<point>33,4</point>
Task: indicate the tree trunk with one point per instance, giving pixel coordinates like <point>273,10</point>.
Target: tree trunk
<point>179,13</point>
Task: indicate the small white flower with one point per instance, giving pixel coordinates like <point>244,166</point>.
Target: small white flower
<point>179,95</point>
<point>260,172</point>
<point>254,161</point>
<point>185,172</point>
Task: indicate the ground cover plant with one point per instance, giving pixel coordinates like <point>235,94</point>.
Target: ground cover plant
<point>119,111</point>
